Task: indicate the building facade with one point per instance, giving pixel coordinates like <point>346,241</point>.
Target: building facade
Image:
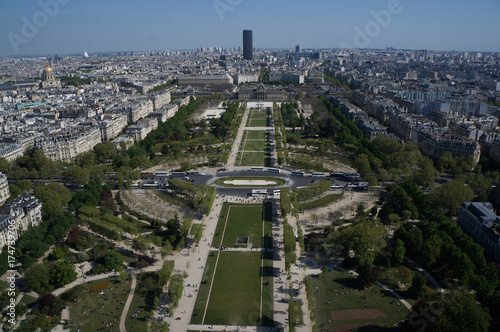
<point>23,212</point>
<point>480,221</point>
<point>248,45</point>
<point>4,189</point>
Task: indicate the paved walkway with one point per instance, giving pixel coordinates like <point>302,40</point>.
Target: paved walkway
<point>231,161</point>
<point>429,277</point>
<point>127,303</point>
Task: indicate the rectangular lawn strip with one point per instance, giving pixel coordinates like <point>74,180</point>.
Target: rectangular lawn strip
<point>219,229</point>
<point>268,226</point>
<point>257,122</point>
<point>256,134</point>
<point>204,289</point>
<point>267,289</point>
<point>329,288</point>
<point>253,145</point>
<point>243,220</point>
<point>251,159</point>
<point>235,296</point>
<point>87,320</point>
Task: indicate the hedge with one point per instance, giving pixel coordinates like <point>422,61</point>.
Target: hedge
<point>175,290</point>
<point>323,201</point>
<point>311,191</point>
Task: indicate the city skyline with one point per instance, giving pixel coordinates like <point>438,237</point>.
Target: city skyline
<point>65,26</point>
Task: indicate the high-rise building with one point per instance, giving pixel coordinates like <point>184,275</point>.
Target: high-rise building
<point>298,48</point>
<point>247,45</point>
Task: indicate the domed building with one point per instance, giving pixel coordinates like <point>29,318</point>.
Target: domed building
<point>48,78</point>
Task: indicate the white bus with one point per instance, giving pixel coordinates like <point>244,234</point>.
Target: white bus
<point>298,173</point>
<point>318,175</point>
<point>259,192</point>
<point>257,169</point>
<point>273,170</point>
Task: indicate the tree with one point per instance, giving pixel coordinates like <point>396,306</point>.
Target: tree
<point>404,275</point>
<point>46,299</point>
<point>15,190</point>
<point>417,288</point>
<point>112,260</point>
<point>167,249</point>
<point>4,165</point>
<point>139,244</point>
<point>80,175</point>
<point>460,312</point>
<point>25,185</point>
<point>105,151</point>
<point>449,196</point>
<point>427,174</point>
<point>53,194</point>
<point>432,249</point>
<point>362,164</point>
<point>366,275</point>
<point>62,273</point>
<point>398,253</point>
<point>37,277</point>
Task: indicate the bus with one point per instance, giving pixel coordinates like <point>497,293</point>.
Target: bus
<point>273,170</point>
<point>337,174</point>
<point>259,192</point>
<point>318,175</point>
<point>193,173</point>
<point>178,173</point>
<point>257,169</point>
<point>162,174</point>
<point>298,173</point>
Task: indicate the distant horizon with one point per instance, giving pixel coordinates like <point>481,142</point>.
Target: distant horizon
<point>52,27</point>
<point>92,53</point>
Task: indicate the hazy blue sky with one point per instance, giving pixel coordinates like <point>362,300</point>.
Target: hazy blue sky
<point>118,25</point>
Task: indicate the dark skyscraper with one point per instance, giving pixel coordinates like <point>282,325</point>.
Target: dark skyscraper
<point>247,45</point>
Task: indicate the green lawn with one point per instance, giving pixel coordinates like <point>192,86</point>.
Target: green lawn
<point>257,122</point>
<point>255,134</point>
<point>235,297</point>
<point>202,297</point>
<point>83,314</point>
<point>329,288</point>
<point>253,159</point>
<point>140,307</point>
<point>253,145</point>
<point>243,220</point>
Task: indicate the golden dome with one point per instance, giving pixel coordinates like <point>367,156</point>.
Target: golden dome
<point>47,67</point>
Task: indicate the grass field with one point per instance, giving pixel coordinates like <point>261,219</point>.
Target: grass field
<point>141,305</point>
<point>241,220</point>
<point>236,277</point>
<point>255,134</point>
<point>87,319</point>
<point>257,122</point>
<point>338,299</point>
<point>253,145</point>
<point>235,296</point>
<point>252,159</point>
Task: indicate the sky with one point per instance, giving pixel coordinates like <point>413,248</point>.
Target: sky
<point>37,27</point>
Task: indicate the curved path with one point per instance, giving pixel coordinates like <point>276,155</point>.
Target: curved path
<point>127,303</point>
